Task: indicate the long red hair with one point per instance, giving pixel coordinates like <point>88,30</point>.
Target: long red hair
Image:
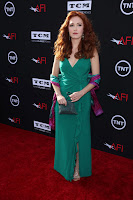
<point>63,46</point>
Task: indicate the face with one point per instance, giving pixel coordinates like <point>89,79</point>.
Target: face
<point>75,26</point>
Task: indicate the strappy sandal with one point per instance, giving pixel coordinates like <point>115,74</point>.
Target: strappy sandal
<point>76,175</point>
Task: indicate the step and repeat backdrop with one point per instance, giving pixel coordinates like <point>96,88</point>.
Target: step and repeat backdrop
<point>28,30</point>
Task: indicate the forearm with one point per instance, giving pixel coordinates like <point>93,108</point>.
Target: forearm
<point>87,88</point>
<point>56,89</point>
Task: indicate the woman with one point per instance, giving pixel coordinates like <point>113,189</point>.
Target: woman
<point>76,52</point>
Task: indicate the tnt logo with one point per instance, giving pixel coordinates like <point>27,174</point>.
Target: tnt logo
<point>12,57</point>
<point>9,9</point>
<point>126,7</point>
<point>118,122</point>
<point>123,68</point>
<point>14,100</point>
<point>117,147</point>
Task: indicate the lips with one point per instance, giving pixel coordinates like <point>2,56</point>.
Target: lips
<point>75,33</point>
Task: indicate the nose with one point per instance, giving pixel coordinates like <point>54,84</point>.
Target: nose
<point>75,27</point>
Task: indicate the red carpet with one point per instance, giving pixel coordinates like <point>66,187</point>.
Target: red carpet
<point>26,171</point>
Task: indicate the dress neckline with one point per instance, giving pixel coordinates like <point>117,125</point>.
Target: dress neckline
<point>74,64</point>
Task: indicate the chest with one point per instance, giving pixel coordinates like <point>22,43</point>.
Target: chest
<point>72,60</point>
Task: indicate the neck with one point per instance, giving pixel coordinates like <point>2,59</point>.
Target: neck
<point>75,43</point>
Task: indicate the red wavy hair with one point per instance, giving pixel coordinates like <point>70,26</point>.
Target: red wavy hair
<point>63,46</point>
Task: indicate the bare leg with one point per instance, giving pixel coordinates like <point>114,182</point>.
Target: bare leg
<point>76,173</point>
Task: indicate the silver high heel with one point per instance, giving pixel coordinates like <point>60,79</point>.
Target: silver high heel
<point>76,175</point>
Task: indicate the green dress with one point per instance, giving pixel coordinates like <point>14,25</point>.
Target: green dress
<point>70,129</point>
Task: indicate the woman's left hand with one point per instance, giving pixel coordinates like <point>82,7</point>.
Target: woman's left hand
<point>75,96</point>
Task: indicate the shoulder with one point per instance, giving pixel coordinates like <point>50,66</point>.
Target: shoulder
<point>95,53</point>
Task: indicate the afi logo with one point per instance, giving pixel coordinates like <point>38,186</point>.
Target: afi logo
<point>39,60</point>
<point>12,35</point>
<point>128,39</point>
<point>38,8</point>
<point>16,120</point>
<point>42,7</point>
<point>43,105</point>
<point>122,42</point>
<point>117,147</point>
<point>14,79</point>
<point>122,96</point>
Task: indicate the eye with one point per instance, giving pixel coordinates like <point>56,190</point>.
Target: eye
<point>72,25</point>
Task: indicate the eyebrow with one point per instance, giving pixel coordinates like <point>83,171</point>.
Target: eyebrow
<point>77,23</point>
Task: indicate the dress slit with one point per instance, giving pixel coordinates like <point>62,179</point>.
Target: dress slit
<point>76,140</point>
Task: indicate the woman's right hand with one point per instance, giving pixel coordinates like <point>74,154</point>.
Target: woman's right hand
<point>61,100</point>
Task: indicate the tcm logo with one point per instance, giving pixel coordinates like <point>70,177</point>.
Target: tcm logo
<point>116,147</point>
<point>40,36</point>
<point>10,36</point>
<point>118,122</point>
<point>14,120</point>
<point>42,126</point>
<point>128,39</point>
<point>123,68</point>
<point>80,6</point>
<point>39,8</point>
<point>126,7</point>
<point>118,96</point>
<point>41,83</point>
<point>12,80</point>
<point>14,100</point>
<point>9,9</point>
<point>39,60</point>
<point>12,57</point>
<point>40,105</point>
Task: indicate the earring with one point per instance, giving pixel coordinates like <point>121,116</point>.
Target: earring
<point>83,36</point>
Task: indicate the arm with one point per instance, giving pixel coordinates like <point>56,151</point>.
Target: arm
<point>55,72</point>
<point>95,65</point>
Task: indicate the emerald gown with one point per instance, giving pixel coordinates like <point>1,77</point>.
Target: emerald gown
<point>73,129</point>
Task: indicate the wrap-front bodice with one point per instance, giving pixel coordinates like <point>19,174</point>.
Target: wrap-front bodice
<point>73,79</point>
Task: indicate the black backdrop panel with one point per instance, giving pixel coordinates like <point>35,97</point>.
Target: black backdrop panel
<point>27,35</point>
